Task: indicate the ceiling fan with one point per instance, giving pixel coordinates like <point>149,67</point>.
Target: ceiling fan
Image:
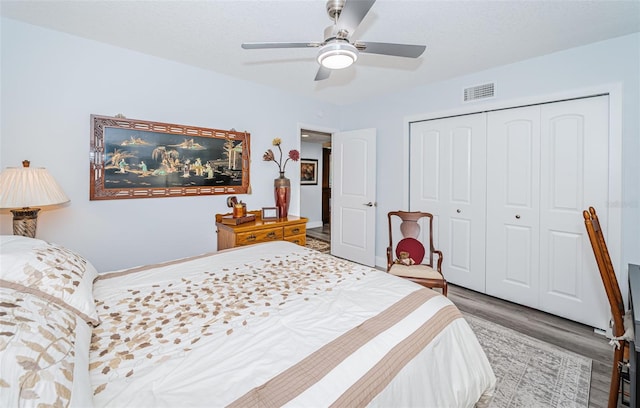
<point>337,51</point>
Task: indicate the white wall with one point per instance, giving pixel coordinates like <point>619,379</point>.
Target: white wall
<point>615,61</point>
<point>52,82</point>
<point>311,195</point>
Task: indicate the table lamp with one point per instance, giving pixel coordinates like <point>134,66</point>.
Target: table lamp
<point>21,188</point>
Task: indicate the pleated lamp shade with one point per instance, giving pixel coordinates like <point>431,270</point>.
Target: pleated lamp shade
<point>24,187</point>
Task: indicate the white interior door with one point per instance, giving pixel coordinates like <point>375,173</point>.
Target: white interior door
<point>574,175</point>
<point>353,210</point>
<point>513,195</point>
<point>447,179</point>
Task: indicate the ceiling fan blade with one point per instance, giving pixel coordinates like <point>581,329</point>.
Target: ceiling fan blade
<point>323,73</point>
<point>396,50</point>
<point>353,13</point>
<point>261,45</point>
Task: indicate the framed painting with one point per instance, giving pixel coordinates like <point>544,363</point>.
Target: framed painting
<point>132,158</point>
<point>308,171</point>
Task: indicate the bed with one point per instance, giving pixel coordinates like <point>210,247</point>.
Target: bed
<point>273,324</point>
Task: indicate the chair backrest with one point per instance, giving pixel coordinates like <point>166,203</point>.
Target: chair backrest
<point>412,224</point>
<point>605,266</point>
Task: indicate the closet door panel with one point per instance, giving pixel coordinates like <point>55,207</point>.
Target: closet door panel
<point>518,262</point>
<point>564,156</point>
<point>565,278</point>
<point>460,165</point>
<point>513,160</point>
<point>460,211</point>
<point>574,175</point>
<point>452,187</point>
<point>427,161</point>
<point>427,173</point>
<point>460,244</point>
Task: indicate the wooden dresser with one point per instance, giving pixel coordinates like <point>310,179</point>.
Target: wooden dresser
<point>292,229</point>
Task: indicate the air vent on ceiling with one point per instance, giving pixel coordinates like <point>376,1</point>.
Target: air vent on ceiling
<point>484,91</point>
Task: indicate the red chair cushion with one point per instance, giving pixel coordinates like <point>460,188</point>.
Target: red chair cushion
<point>413,247</point>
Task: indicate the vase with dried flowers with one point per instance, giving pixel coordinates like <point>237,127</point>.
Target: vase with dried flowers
<point>282,185</point>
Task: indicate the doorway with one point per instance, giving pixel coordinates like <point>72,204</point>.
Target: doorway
<point>315,197</point>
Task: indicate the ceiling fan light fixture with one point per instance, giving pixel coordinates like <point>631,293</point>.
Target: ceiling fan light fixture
<point>337,55</point>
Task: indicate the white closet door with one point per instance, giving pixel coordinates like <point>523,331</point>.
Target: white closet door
<point>447,179</point>
<point>574,176</point>
<point>545,165</point>
<point>513,183</point>
<point>531,171</point>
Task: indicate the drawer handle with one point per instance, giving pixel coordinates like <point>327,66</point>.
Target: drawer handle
<point>271,235</point>
<point>251,237</point>
<point>296,230</point>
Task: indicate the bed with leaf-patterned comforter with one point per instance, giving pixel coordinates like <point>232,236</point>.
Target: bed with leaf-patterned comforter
<point>278,324</point>
<point>268,325</point>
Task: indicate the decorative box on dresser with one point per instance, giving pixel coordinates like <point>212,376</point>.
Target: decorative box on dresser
<point>292,229</point>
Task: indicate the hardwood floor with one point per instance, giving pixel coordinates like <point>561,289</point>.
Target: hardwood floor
<point>322,233</point>
<point>564,333</point>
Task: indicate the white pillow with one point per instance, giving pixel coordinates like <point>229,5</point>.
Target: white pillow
<point>50,271</point>
<point>44,353</point>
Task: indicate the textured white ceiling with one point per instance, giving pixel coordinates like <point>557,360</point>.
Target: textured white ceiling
<point>461,36</point>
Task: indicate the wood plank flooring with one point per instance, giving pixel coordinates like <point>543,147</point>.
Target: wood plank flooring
<point>322,233</point>
<point>564,333</point>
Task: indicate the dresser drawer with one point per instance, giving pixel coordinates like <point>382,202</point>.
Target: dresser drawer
<point>253,237</point>
<point>291,230</point>
<point>297,239</point>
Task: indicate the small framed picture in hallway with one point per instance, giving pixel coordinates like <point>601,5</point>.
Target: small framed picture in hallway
<point>308,172</point>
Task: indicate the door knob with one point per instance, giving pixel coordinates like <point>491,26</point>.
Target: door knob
<point>369,204</point>
<point>518,216</point>
<point>458,211</point>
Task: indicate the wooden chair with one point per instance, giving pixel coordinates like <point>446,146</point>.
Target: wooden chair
<point>409,257</point>
<point>611,287</point>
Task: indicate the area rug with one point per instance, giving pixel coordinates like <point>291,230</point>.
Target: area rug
<point>530,372</point>
<point>318,245</point>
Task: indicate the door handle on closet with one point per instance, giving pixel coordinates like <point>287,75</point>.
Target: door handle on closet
<point>370,204</point>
